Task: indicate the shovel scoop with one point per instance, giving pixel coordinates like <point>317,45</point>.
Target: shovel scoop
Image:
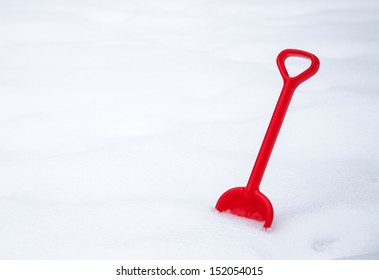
<point>248,201</point>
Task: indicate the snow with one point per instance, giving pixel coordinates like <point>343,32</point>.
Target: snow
<point>122,122</point>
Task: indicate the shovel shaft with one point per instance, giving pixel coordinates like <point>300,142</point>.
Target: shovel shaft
<point>289,86</point>
<point>270,137</point>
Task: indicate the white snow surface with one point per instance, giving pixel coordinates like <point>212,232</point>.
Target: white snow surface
<point>122,122</point>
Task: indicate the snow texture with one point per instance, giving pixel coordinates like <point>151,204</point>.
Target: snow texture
<point>122,122</point>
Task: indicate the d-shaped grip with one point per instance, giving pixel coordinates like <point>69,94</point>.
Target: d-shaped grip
<point>303,76</point>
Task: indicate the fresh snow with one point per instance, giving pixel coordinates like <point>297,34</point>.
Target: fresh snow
<point>122,122</point>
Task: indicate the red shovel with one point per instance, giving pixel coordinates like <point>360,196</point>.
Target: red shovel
<point>248,201</point>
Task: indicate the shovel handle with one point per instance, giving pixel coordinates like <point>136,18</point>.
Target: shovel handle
<point>289,86</point>
<point>303,76</point>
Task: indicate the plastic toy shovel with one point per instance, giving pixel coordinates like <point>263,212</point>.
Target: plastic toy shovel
<point>248,201</point>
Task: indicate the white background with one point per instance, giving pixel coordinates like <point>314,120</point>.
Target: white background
<point>122,122</point>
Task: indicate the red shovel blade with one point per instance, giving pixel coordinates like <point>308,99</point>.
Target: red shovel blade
<point>253,205</point>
